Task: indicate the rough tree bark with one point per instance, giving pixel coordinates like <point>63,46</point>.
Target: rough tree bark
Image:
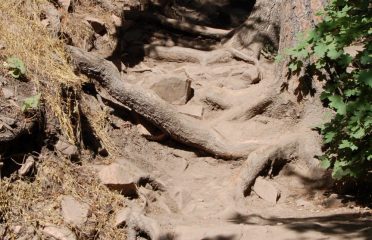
<point>295,17</point>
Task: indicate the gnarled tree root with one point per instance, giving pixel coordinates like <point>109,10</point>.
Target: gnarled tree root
<point>258,160</point>
<point>137,223</point>
<point>182,54</point>
<point>183,129</point>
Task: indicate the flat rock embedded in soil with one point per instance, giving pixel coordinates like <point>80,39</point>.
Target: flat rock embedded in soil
<point>74,212</point>
<point>123,178</point>
<point>192,110</point>
<point>58,233</point>
<point>175,90</point>
<point>7,93</point>
<point>67,149</point>
<point>266,190</point>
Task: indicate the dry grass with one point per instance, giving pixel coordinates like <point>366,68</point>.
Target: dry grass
<point>25,37</point>
<point>37,203</point>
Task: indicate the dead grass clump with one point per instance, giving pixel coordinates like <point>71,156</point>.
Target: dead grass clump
<point>24,36</point>
<point>37,203</point>
<point>47,64</point>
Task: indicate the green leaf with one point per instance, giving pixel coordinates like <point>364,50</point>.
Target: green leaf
<point>295,66</point>
<point>366,77</point>
<point>16,66</point>
<point>31,103</point>
<point>358,134</point>
<point>329,136</point>
<point>325,162</point>
<point>320,50</point>
<point>337,103</point>
<point>347,144</point>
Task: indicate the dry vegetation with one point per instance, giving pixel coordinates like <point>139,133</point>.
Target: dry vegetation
<point>35,202</point>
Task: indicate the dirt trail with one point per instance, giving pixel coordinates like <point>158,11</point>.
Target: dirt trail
<point>198,201</point>
<point>238,100</point>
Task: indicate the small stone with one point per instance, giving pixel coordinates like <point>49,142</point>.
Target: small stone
<point>67,149</point>
<point>175,90</point>
<point>73,211</point>
<point>116,177</point>
<point>27,166</point>
<point>303,203</point>
<point>98,25</point>
<point>7,93</point>
<point>333,201</point>
<point>195,111</point>
<point>251,75</point>
<point>9,121</point>
<point>59,233</point>
<point>266,190</point>
<point>65,4</point>
<point>117,21</point>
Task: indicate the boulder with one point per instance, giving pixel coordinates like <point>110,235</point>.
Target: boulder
<point>175,90</point>
<point>58,233</point>
<point>73,211</point>
<point>266,190</point>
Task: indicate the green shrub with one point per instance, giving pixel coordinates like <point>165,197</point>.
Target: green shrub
<point>324,53</point>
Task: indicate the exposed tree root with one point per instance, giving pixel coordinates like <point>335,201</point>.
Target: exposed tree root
<point>181,128</point>
<point>181,54</point>
<point>137,223</point>
<point>179,25</point>
<point>258,160</point>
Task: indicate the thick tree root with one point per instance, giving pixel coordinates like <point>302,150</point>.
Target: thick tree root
<point>179,25</point>
<point>258,160</point>
<point>181,128</point>
<point>181,54</point>
<point>138,223</point>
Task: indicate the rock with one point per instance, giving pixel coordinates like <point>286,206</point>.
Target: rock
<point>67,149</point>
<point>98,25</point>
<point>266,190</point>
<point>8,121</point>
<point>333,201</point>
<point>251,75</point>
<point>117,21</point>
<point>175,90</point>
<point>122,217</point>
<point>73,211</point>
<point>152,136</point>
<point>52,19</point>
<point>7,93</point>
<point>65,4</point>
<point>27,166</point>
<point>195,111</point>
<point>58,233</point>
<point>116,177</point>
